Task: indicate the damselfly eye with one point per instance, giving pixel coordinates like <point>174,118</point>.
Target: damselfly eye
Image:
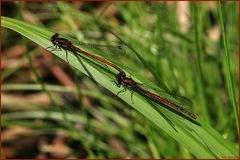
<point>53,38</point>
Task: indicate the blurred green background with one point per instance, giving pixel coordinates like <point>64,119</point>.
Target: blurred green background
<point>183,49</point>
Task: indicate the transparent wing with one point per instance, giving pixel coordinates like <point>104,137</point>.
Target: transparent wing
<point>117,49</point>
<point>178,99</point>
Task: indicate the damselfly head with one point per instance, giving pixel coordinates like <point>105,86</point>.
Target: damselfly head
<point>53,38</point>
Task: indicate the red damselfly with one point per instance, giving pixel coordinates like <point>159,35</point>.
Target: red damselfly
<point>65,44</point>
<point>130,83</point>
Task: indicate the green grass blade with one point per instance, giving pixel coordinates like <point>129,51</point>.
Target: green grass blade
<point>198,45</point>
<point>228,68</point>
